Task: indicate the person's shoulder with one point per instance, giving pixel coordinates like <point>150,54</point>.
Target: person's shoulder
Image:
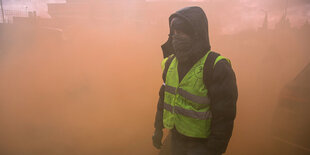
<point>222,60</point>
<point>223,66</point>
<point>164,61</point>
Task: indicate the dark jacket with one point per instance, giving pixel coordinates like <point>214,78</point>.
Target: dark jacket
<point>222,91</point>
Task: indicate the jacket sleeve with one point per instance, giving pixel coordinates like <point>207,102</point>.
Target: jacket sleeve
<point>160,109</point>
<point>160,105</point>
<point>223,94</point>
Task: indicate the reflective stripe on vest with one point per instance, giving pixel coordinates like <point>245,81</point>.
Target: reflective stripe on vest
<point>186,103</point>
<point>187,95</point>
<point>189,113</point>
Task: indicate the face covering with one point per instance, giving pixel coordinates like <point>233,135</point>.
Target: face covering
<point>182,46</point>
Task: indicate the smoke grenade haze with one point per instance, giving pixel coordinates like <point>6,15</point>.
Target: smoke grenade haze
<point>90,85</point>
<point>243,14</point>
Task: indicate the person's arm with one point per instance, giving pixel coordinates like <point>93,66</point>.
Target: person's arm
<point>160,105</point>
<point>158,124</point>
<point>223,94</point>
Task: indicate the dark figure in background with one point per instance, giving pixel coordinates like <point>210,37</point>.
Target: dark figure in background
<point>198,98</point>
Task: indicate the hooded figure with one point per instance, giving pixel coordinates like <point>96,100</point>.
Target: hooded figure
<point>194,21</point>
<point>187,45</point>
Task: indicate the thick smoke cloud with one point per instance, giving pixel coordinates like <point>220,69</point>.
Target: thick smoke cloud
<point>30,5</point>
<point>297,10</point>
<point>238,15</point>
<point>91,87</point>
<point>243,14</point>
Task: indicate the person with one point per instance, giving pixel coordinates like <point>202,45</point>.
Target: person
<point>198,98</point>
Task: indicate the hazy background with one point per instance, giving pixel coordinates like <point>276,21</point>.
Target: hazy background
<point>238,14</point>
<point>90,86</point>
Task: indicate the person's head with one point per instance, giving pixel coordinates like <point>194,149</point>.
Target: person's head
<point>182,37</point>
<point>182,27</point>
<point>188,30</point>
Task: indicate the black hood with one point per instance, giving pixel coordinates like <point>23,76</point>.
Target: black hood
<point>199,22</point>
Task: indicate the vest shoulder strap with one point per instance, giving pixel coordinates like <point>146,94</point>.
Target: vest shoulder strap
<point>209,67</point>
<point>165,65</point>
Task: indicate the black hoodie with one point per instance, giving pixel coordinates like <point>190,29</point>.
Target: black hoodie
<point>199,23</point>
<point>222,91</point>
